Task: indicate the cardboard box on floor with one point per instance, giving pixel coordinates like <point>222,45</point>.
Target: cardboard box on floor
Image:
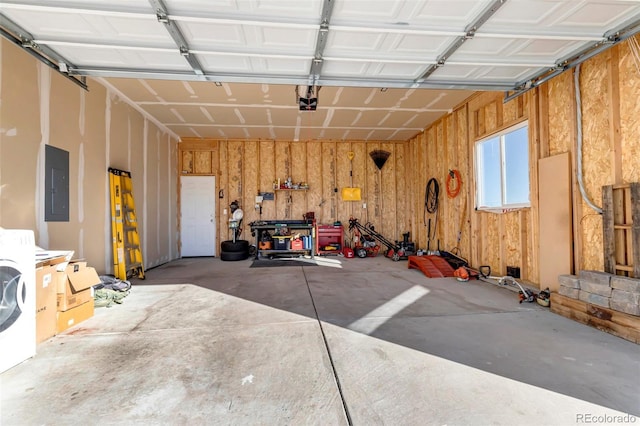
<point>75,280</point>
<point>47,290</point>
<point>74,316</point>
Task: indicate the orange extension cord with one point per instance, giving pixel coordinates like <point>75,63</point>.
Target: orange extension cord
<point>453,192</point>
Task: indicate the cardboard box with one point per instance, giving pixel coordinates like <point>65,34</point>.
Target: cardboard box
<point>46,302</point>
<point>74,285</point>
<point>74,316</point>
<point>46,291</point>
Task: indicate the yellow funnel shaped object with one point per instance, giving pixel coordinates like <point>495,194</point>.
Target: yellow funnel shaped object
<point>351,194</point>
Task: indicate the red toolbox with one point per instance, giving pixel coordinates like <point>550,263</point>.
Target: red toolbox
<point>329,239</point>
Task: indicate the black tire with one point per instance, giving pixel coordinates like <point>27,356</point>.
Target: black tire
<point>361,252</point>
<point>231,247</point>
<point>234,255</point>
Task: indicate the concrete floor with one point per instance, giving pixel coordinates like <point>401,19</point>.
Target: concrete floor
<point>355,341</point>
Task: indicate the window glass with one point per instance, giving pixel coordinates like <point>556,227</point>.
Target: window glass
<point>502,169</point>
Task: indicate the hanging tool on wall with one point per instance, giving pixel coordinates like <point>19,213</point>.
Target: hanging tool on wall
<point>432,192</point>
<point>351,193</point>
<point>454,183</point>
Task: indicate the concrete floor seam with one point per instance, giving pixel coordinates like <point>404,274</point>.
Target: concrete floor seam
<point>326,345</point>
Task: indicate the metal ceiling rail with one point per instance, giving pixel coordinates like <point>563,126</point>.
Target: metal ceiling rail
<point>163,17</point>
<point>610,39</point>
<point>470,32</point>
<point>292,80</point>
<point>321,42</point>
<point>22,38</point>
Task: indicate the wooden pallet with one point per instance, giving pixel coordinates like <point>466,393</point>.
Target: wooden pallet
<point>617,323</point>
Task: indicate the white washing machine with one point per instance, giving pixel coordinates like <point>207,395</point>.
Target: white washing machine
<point>17,297</point>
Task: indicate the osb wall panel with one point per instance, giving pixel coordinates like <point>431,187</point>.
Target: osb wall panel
<point>328,166</point>
<point>388,225</point>
<point>267,175</point>
<point>299,174</point>
<point>315,199</point>
<point>373,189</point>
<point>402,200</point>
<point>561,116</point>
<point>629,71</point>
<point>596,153</point>
<point>251,181</point>
<point>360,161</point>
<point>343,165</point>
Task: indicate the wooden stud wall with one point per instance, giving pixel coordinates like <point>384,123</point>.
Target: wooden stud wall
<point>394,196</point>
<point>246,168</point>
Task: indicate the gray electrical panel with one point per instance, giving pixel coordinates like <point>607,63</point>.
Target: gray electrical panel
<point>56,183</point>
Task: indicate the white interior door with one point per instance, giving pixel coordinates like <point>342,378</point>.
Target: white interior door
<point>197,215</point>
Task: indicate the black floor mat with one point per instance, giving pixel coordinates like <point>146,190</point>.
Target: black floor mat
<point>268,263</point>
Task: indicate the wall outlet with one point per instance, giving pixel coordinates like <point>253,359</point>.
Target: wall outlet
<point>364,205</point>
<point>224,211</point>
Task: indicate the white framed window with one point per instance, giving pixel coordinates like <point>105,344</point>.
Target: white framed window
<point>502,169</point>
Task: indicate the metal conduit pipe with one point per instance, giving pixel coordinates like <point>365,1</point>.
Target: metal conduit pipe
<point>583,192</point>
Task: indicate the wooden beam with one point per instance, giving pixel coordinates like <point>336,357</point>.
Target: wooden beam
<point>615,137</point>
<point>608,230</point>
<point>635,202</point>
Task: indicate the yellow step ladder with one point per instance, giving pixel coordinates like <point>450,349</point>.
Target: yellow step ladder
<point>127,254</point>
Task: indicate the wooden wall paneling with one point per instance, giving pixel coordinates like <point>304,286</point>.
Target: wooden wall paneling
<point>360,161</point>
<point>401,194</point>
<point>510,111</point>
<point>343,165</point>
<point>282,168</point>
<point>328,160</point>
<point>465,156</point>
<point>266,175</point>
<point>373,187</point>
<point>608,229</point>
<point>491,241</point>
<point>250,178</point>
<point>511,251</point>
<point>491,117</point>
<point>614,115</point>
<point>416,189</point>
<point>450,163</point>
<point>530,218</point>
<point>596,157</point>
<point>235,154</point>
<point>388,221</point>
<point>420,163</point>
<point>541,114</point>
<point>561,108</point>
<point>299,163</point>
<point>223,185</point>
<point>202,162</point>
<point>635,229</point>
<point>629,93</point>
<point>186,164</point>
<point>432,172</point>
<point>475,218</point>
<point>568,116</point>
<point>314,178</point>
<point>438,163</point>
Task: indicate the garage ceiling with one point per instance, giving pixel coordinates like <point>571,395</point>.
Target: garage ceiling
<point>380,69</point>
